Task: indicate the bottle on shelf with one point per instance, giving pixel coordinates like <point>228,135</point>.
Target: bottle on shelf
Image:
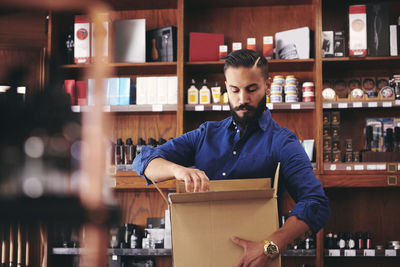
<point>341,243</point>
<point>69,46</point>
<point>205,95</point>
<point>134,239</point>
<point>216,93</point>
<point>193,93</point>
<point>152,143</point>
<point>139,145</point>
<point>161,141</point>
<point>129,151</point>
<point>119,152</point>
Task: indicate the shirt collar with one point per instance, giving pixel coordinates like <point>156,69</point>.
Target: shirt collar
<point>263,121</point>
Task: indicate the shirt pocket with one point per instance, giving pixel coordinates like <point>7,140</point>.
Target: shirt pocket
<point>255,166</point>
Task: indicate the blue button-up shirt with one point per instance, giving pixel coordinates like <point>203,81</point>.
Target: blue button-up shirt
<point>218,149</point>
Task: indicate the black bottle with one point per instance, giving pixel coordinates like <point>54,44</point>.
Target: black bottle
<point>139,145</point>
<point>161,141</point>
<point>341,241</point>
<point>359,240</point>
<point>151,142</point>
<point>129,151</point>
<point>69,46</point>
<point>119,152</point>
<point>330,242</point>
<point>367,240</point>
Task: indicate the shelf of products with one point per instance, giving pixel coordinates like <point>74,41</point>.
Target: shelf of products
<point>130,108</point>
<point>116,251</point>
<point>361,104</point>
<point>299,253</point>
<point>368,253</point>
<point>361,62</point>
<point>375,167</point>
<point>271,106</point>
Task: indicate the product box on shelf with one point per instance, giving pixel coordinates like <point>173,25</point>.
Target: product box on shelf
<point>204,222</point>
<point>327,44</point>
<point>393,41</point>
<point>357,30</point>
<point>130,40</point>
<point>204,46</point>
<point>161,44</point>
<point>82,39</point>
<point>339,46</point>
<point>293,44</point>
<point>268,47</point>
<point>378,29</point>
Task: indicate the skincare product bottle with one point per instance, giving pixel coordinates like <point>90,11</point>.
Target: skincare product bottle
<point>341,242</point>
<point>225,98</point>
<point>145,241</point>
<point>139,145</point>
<point>129,151</point>
<point>216,94</point>
<point>205,95</point>
<point>119,152</point>
<point>193,93</point>
<point>134,239</point>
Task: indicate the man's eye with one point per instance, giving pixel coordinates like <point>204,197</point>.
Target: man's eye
<point>234,90</point>
<point>252,89</point>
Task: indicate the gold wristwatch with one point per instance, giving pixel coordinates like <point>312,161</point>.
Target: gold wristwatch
<point>270,249</point>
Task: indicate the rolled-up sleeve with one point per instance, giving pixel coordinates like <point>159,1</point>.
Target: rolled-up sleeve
<point>312,205</point>
<point>180,150</point>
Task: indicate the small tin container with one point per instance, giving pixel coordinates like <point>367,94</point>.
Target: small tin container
<point>291,97</point>
<point>290,88</point>
<point>279,79</point>
<point>276,98</point>
<point>276,88</point>
<point>308,87</point>
<point>291,79</point>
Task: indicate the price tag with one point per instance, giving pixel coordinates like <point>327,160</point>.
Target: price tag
<point>107,108</point>
<point>371,167</point>
<point>157,108</point>
<point>333,167</point>
<point>199,108</point>
<point>387,104</point>
<point>369,252</point>
<point>357,105</point>
<point>225,107</point>
<point>372,104</point>
<point>381,167</point>
<point>350,252</point>
<point>76,108</point>
<point>398,167</point>
<point>217,107</point>
<point>397,102</point>
<point>270,106</point>
<point>295,106</point>
<point>358,167</point>
<point>114,257</point>
<point>327,105</point>
<point>348,168</point>
<point>334,252</point>
<point>390,252</point>
<point>342,105</point>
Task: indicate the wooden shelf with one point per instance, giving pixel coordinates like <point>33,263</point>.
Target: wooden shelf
<point>138,5</point>
<point>361,104</point>
<point>274,65</point>
<point>357,167</point>
<point>362,62</point>
<point>244,3</point>
<point>130,108</point>
<point>360,253</point>
<point>271,106</point>
<point>132,180</point>
<point>299,253</point>
<point>116,251</point>
<point>146,68</point>
<point>356,180</point>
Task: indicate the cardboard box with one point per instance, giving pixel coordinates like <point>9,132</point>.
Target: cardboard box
<point>393,41</point>
<point>339,47</point>
<point>357,30</point>
<point>161,44</point>
<point>236,46</point>
<point>268,47</point>
<point>251,44</point>
<point>204,46</point>
<point>203,223</point>
<point>378,29</point>
<point>82,39</point>
<point>130,40</point>
<point>327,44</point>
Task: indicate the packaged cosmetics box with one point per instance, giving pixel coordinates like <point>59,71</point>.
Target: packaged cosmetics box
<point>393,41</point>
<point>203,223</point>
<point>378,29</point>
<point>82,39</point>
<point>357,30</point>
<point>130,40</point>
<point>327,44</point>
<point>161,44</point>
<point>339,47</point>
<point>204,46</point>
<point>293,44</point>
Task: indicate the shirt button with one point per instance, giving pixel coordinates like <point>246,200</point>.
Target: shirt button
<point>224,173</point>
<point>237,131</point>
<point>234,152</point>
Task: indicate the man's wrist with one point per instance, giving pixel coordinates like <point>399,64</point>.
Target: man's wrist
<point>271,250</point>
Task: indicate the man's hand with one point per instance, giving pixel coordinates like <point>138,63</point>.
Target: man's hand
<point>253,253</point>
<point>195,180</point>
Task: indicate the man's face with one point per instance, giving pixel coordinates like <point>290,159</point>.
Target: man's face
<point>246,89</point>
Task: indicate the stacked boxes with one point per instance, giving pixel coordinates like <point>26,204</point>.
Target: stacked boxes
<point>331,134</point>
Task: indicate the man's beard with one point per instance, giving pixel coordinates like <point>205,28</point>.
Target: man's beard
<point>248,119</point>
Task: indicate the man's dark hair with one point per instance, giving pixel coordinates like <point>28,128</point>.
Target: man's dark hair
<point>246,58</point>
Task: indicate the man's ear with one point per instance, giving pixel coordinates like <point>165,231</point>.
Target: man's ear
<point>268,85</point>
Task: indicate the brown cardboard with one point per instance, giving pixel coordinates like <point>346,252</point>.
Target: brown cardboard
<point>203,222</point>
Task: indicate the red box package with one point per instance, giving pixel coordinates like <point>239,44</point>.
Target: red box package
<point>204,46</point>
<point>81,93</point>
<point>69,86</point>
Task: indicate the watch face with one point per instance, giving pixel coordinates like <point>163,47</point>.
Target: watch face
<point>272,250</point>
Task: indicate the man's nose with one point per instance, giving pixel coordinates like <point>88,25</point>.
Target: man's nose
<point>244,97</point>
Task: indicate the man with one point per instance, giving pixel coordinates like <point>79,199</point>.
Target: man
<point>247,145</point>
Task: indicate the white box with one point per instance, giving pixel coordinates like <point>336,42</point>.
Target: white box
<point>357,30</point>
<point>236,46</point>
<point>90,92</point>
<point>162,90</point>
<point>82,39</point>
<point>141,97</point>
<point>173,90</point>
<point>393,40</point>
<point>293,44</point>
<point>104,52</point>
<point>151,90</point>
<point>168,236</point>
<point>130,40</point>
